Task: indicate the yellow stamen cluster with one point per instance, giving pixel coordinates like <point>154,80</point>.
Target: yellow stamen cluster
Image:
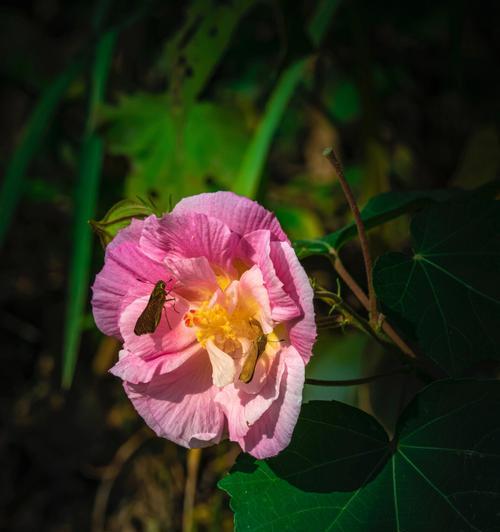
<point>212,323</point>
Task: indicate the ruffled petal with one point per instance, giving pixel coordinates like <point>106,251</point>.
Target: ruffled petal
<point>242,408</point>
<point>253,294</point>
<point>168,337</point>
<point>240,214</point>
<point>256,248</point>
<point>131,233</point>
<point>136,369</point>
<point>196,280</point>
<point>302,330</point>
<point>224,367</point>
<point>189,235</point>
<point>180,405</point>
<point>126,267</point>
<point>272,432</point>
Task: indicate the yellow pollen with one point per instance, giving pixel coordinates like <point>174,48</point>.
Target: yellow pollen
<point>212,323</point>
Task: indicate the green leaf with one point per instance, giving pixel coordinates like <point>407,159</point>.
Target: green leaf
<point>191,56</point>
<point>448,288</point>
<point>341,472</point>
<point>168,159</point>
<point>119,217</point>
<point>85,204</point>
<point>13,182</point>
<point>378,210</point>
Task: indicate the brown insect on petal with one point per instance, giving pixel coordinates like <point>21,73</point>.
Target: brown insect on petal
<point>150,317</point>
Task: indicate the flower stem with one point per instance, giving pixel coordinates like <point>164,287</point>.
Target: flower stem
<point>361,380</point>
<point>350,316</point>
<point>193,464</point>
<point>330,155</point>
<point>358,292</point>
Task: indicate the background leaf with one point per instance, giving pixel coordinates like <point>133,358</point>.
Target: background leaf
<point>377,211</point>
<point>447,455</point>
<point>191,56</point>
<point>202,153</point>
<point>448,288</point>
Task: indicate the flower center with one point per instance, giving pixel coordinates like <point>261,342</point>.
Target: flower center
<point>214,322</point>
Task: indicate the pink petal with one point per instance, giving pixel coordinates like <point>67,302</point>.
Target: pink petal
<point>256,247</point>
<point>243,409</point>
<point>136,369</point>
<point>196,280</point>
<point>131,233</point>
<point>240,214</point>
<point>189,235</point>
<point>252,291</point>
<point>224,367</point>
<point>302,330</point>
<point>125,267</point>
<point>180,405</point>
<point>167,338</point>
<point>273,431</point>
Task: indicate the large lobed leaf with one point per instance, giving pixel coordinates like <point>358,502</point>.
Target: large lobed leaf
<point>341,473</point>
<point>448,287</point>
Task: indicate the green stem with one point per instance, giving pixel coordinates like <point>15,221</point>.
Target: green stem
<point>361,380</point>
<point>382,325</point>
<point>350,315</point>
<point>363,239</point>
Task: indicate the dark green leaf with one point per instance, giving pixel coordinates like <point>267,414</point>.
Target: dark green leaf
<point>378,210</point>
<point>448,288</point>
<point>340,472</point>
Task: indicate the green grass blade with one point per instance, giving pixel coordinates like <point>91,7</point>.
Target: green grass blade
<point>86,192</point>
<point>13,183</point>
<point>248,179</point>
<point>85,204</point>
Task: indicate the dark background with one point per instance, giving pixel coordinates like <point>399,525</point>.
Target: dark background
<point>406,91</point>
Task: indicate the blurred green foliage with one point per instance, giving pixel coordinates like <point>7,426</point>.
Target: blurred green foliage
<point>171,157</point>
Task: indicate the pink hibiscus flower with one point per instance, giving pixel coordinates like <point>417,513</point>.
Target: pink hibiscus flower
<point>227,357</point>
